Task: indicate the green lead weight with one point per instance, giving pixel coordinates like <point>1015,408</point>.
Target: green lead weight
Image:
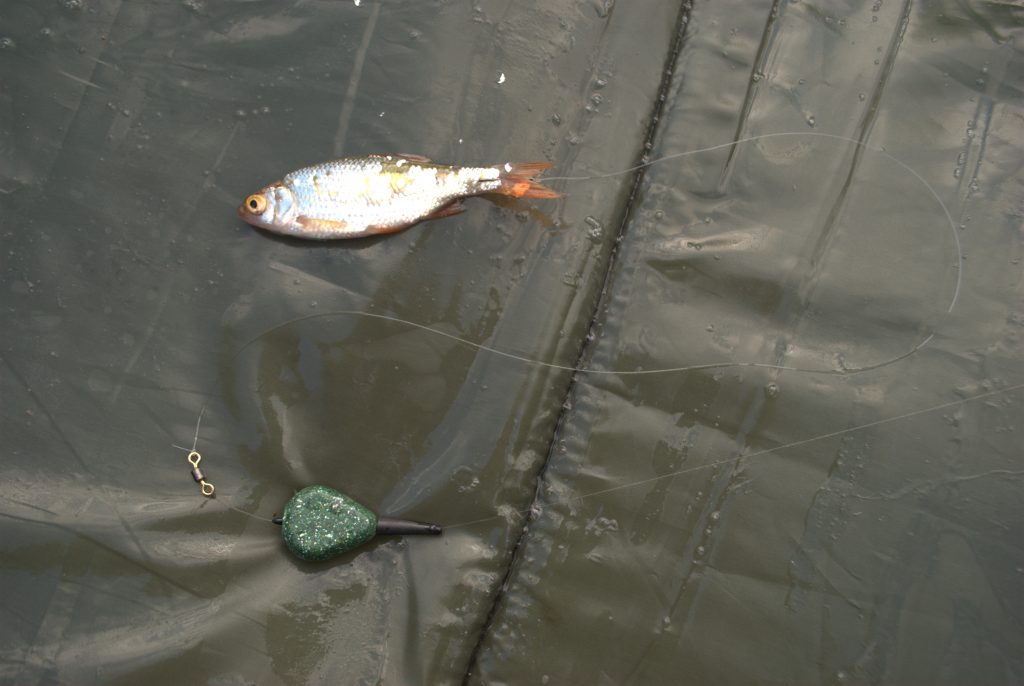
<point>320,522</point>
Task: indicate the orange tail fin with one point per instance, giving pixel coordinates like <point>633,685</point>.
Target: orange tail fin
<point>517,180</point>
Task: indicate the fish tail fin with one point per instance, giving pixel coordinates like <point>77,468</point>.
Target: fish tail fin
<point>517,180</point>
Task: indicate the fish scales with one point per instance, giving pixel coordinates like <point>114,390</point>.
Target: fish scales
<point>386,192</point>
<point>361,196</point>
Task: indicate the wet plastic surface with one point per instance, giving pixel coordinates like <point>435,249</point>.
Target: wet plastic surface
<point>856,523</point>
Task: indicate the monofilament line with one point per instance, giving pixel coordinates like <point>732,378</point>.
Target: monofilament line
<point>845,371</point>
<point>759,453</point>
<point>790,134</point>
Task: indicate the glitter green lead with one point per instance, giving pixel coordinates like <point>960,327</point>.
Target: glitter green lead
<point>319,523</point>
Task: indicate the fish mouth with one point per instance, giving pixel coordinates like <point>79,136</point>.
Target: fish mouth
<point>245,214</point>
<point>261,209</point>
<point>249,218</point>
<point>272,208</point>
<point>256,220</point>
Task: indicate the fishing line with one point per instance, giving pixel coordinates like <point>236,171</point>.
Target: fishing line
<point>696,468</point>
<point>195,466</point>
<point>845,371</point>
<point>759,453</point>
<point>789,134</point>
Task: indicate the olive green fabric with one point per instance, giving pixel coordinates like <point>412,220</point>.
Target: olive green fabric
<point>856,521</point>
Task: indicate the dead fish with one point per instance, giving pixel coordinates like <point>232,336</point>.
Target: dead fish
<point>362,196</point>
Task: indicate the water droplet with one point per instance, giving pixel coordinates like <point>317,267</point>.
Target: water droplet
<point>810,120</point>
<point>772,390</point>
<point>7,43</point>
<point>556,120</point>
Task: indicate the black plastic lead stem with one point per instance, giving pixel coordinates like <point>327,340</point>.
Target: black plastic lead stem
<point>405,527</point>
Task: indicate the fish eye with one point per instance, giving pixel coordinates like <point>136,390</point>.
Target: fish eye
<point>256,203</point>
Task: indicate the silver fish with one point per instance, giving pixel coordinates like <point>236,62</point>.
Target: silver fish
<point>362,196</point>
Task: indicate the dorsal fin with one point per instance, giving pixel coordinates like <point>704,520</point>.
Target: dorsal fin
<point>417,159</point>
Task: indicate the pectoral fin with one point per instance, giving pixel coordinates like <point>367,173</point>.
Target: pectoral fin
<point>326,228</point>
